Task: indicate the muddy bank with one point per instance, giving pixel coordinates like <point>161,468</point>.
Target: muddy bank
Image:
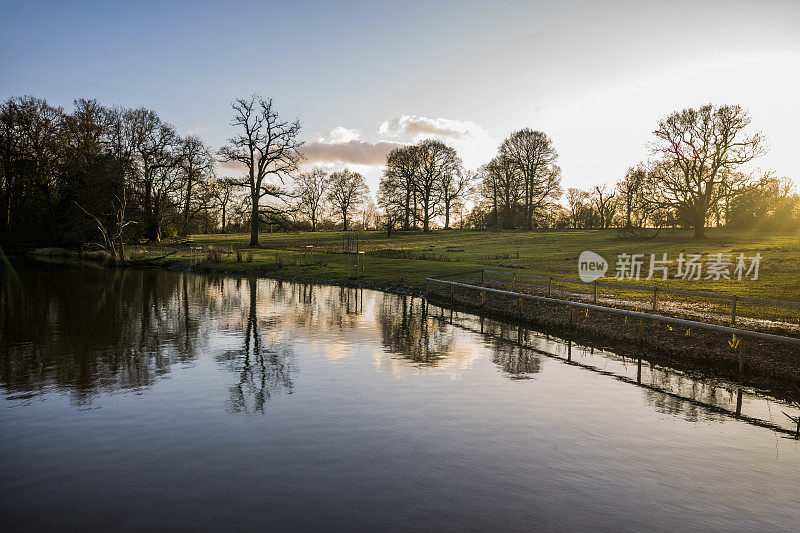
<point>768,365</point>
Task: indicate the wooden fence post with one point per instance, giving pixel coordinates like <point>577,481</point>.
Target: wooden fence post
<point>519,305</point>
<point>739,402</point>
<point>641,329</point>
<point>741,357</point>
<point>452,294</point>
<point>570,317</point>
<point>483,272</point>
<point>513,281</point>
<point>655,300</point>
<point>483,299</point>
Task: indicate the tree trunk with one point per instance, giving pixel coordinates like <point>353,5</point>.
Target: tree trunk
<point>414,213</point>
<point>254,219</point>
<point>699,222</point>
<point>407,213</point>
<point>187,206</point>
<point>700,227</point>
<point>628,214</point>
<point>154,222</point>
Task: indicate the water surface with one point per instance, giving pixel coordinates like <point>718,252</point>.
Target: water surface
<point>135,399</point>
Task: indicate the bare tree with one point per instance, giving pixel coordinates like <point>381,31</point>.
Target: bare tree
<point>576,200</point>
<point>268,147</point>
<point>456,184</point>
<point>397,185</point>
<point>154,144</point>
<point>700,151</point>
<point>222,192</point>
<point>114,236</point>
<point>346,191</point>
<point>505,186</point>
<point>197,167</point>
<point>436,161</point>
<point>604,199</point>
<point>533,155</point>
<point>310,189</point>
<point>631,189</point>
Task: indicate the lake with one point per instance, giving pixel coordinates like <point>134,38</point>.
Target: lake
<point>137,399</point>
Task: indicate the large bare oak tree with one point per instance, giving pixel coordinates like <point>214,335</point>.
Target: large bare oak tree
<point>700,153</point>
<point>268,147</point>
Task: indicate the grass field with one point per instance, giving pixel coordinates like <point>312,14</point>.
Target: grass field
<point>405,259</point>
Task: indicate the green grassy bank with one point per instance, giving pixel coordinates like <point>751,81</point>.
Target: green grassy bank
<point>403,260</point>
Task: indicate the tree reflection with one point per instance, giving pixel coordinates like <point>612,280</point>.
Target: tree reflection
<point>687,397</point>
<point>262,370</point>
<point>511,349</point>
<point>407,330</point>
<point>83,329</point>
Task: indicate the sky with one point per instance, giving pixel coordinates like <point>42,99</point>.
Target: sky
<point>363,77</point>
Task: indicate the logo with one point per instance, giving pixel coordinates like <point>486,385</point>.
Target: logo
<point>591,266</point>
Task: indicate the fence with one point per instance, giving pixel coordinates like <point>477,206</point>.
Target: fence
<point>659,298</point>
<point>482,290</point>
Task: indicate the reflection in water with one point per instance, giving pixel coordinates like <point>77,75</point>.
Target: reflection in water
<point>514,357</point>
<point>95,329</point>
<point>85,330</point>
<point>666,390</point>
<point>408,331</point>
<point>262,370</point>
<point>396,401</point>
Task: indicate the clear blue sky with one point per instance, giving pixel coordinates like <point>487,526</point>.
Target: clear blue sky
<point>596,76</point>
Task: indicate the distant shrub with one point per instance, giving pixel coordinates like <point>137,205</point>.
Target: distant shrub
<point>504,255</point>
<point>393,253</point>
<point>51,252</point>
<point>214,256</point>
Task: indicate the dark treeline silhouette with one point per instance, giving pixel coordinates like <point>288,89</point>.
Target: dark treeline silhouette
<point>99,174</point>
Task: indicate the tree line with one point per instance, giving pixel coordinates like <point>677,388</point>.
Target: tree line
<point>112,175</point>
<point>694,179</point>
<point>125,172</point>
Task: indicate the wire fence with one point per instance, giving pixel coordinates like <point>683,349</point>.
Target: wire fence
<point>482,290</point>
<point>718,308</point>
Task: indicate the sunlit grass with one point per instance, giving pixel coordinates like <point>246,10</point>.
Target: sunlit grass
<point>406,258</point>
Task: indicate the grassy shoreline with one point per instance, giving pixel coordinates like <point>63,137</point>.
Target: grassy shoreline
<point>405,259</point>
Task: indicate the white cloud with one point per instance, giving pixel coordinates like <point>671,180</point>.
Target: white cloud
<point>420,127</point>
<point>340,134</point>
<point>199,130</point>
<point>472,142</point>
